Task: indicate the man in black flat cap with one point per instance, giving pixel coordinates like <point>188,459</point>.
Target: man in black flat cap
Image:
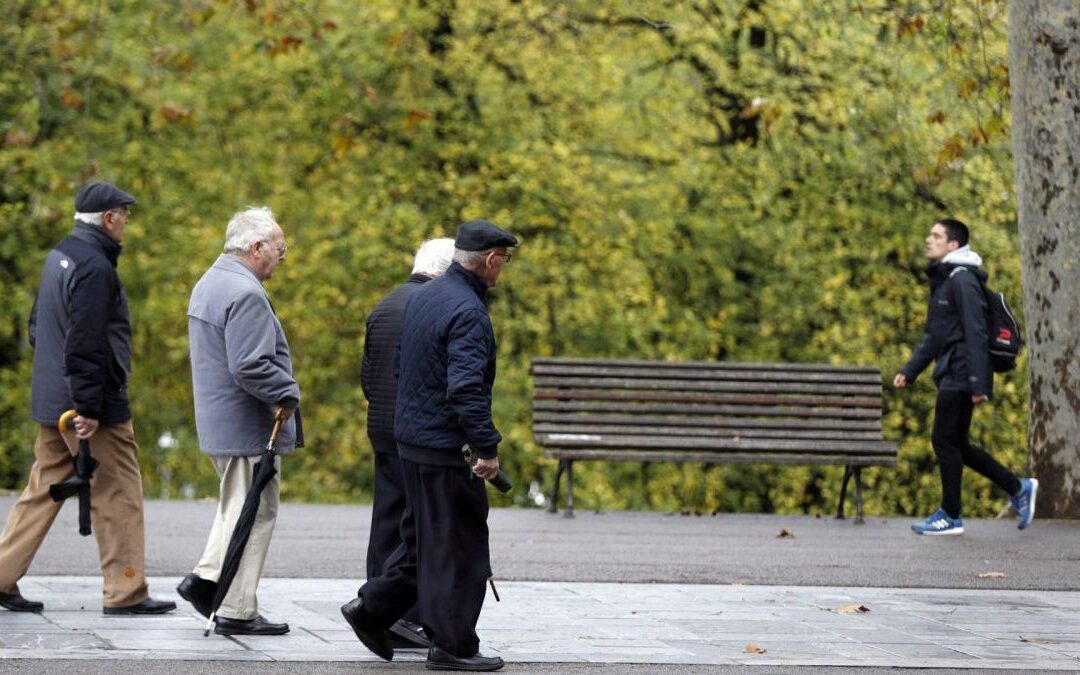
<point>80,330</point>
<point>446,375</point>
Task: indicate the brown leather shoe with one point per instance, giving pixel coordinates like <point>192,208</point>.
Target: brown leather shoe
<point>18,603</point>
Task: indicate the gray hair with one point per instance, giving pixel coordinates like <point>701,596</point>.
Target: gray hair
<point>91,218</point>
<point>434,257</point>
<point>470,258</point>
<point>255,223</point>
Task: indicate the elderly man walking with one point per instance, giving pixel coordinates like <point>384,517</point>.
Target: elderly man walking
<point>242,378</point>
<point>379,380</point>
<point>80,329</point>
<point>444,401</point>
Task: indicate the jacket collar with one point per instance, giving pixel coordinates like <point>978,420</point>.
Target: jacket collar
<point>419,278</point>
<point>96,237</point>
<point>473,281</point>
<point>232,264</point>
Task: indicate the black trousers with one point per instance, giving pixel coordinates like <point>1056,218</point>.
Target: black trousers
<point>387,510</point>
<point>443,563</point>
<point>952,422</point>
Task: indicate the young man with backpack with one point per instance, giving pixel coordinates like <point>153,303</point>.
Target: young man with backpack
<point>958,338</point>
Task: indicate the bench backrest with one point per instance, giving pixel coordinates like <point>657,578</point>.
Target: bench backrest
<point>694,411</point>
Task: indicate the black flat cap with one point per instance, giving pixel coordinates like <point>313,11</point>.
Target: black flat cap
<point>480,235</point>
<point>98,197</point>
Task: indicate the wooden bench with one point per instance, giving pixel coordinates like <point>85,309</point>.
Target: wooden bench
<point>710,412</point>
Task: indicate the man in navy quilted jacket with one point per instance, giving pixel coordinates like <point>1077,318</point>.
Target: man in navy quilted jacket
<point>447,370</point>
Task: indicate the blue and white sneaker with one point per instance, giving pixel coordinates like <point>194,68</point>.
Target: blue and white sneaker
<point>939,524</point>
<point>1023,502</point>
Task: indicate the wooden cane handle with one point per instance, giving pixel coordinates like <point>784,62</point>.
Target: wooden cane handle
<point>66,419</point>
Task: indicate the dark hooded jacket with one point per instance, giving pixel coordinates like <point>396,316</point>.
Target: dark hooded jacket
<point>447,372</point>
<point>956,328</point>
<point>378,374</point>
<point>80,330</point>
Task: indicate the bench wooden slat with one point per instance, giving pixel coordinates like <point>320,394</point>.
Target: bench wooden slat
<point>709,374</point>
<point>571,417</point>
<point>726,458</point>
<point>620,383</point>
<point>697,443</point>
<point>569,362</point>
<point>707,397</point>
<point>705,432</point>
<point>751,410</point>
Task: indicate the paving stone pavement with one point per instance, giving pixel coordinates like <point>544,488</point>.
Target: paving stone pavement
<point>593,623</point>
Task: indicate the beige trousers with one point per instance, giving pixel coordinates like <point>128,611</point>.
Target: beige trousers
<point>116,510</point>
<point>236,478</point>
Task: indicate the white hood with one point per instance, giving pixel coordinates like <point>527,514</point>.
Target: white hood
<point>963,256</point>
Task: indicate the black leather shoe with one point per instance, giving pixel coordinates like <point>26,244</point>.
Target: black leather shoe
<point>363,624</point>
<point>147,606</point>
<point>440,659</point>
<point>199,592</point>
<point>257,626</point>
<point>411,633</point>
<point>18,603</point>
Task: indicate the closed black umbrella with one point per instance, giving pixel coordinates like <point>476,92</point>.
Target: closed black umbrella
<point>79,484</point>
<point>264,471</point>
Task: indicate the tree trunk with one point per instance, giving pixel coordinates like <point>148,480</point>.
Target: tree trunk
<point>1044,72</point>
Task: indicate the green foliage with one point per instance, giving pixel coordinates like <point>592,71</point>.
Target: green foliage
<point>738,180</point>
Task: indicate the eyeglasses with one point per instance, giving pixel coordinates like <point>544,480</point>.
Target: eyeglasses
<point>506,255</point>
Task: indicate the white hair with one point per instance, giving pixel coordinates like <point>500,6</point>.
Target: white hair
<point>255,223</point>
<point>91,218</point>
<point>470,258</point>
<point>434,257</point>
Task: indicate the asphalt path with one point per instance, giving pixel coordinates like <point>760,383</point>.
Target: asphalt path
<point>330,541</point>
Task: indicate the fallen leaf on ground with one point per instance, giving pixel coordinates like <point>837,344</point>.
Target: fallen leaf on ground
<point>852,609</point>
<point>782,534</point>
<point>752,648</point>
<point>1035,641</point>
<point>992,575</point>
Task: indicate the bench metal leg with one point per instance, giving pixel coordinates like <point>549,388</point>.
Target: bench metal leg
<point>553,506</point>
<point>569,512</point>
<point>858,496</point>
<point>843,492</point>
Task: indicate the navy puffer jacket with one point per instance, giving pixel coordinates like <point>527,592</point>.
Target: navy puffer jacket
<point>446,372</point>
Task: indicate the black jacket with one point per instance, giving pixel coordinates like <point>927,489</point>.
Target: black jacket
<point>80,330</point>
<point>955,332</point>
<point>447,372</point>
<point>378,374</point>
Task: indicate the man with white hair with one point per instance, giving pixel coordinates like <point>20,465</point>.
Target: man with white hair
<point>242,380</point>
<point>379,380</point>
<point>80,329</point>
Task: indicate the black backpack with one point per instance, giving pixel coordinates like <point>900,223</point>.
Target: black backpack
<point>1002,330</point>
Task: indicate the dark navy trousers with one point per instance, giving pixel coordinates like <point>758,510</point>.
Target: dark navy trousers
<point>443,563</point>
<point>387,509</point>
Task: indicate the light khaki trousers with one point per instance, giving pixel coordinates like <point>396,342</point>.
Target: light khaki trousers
<point>236,478</point>
<point>116,510</point>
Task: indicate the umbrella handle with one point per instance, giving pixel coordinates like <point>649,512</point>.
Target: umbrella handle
<point>278,421</point>
<point>66,419</point>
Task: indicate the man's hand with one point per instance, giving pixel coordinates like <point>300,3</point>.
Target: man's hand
<point>85,427</point>
<point>283,412</point>
<point>981,398</point>
<point>486,468</point>
<point>900,381</point>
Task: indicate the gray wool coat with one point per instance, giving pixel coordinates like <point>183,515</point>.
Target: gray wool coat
<point>240,365</point>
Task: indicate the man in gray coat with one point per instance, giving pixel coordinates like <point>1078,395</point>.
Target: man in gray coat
<point>242,377</point>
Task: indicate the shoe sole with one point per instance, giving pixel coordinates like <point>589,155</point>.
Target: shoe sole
<point>943,533</point>
<point>359,632</point>
<point>446,666</point>
<point>1031,512</point>
<point>123,611</point>
<point>410,637</point>
<point>241,632</point>
<point>16,608</point>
